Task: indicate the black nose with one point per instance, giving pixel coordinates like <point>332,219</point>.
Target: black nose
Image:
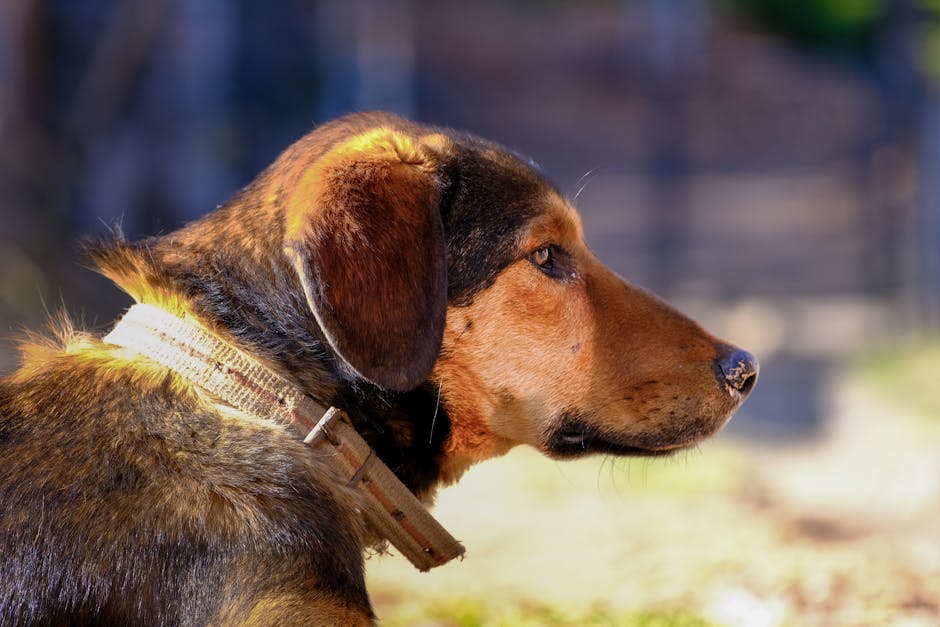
<point>739,369</point>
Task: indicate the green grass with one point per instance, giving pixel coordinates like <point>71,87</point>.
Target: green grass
<point>907,373</point>
<point>478,613</point>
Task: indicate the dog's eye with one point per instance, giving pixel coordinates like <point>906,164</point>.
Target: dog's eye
<point>554,262</point>
<point>543,258</point>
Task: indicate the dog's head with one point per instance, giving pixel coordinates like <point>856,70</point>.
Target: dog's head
<point>430,256</point>
<point>378,254</point>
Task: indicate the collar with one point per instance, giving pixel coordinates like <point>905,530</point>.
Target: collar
<point>192,351</point>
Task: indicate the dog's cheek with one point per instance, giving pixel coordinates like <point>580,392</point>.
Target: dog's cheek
<point>525,344</point>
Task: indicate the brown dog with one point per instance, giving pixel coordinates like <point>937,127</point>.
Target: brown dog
<point>429,283</point>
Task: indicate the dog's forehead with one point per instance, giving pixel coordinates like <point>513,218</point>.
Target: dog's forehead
<point>558,223</point>
<point>511,187</point>
<point>501,209</point>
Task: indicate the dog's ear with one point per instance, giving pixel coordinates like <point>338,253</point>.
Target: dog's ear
<point>364,233</point>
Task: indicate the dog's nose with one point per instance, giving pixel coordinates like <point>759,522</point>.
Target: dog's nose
<point>739,369</point>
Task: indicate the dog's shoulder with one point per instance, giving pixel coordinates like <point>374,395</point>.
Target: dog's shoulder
<point>121,476</point>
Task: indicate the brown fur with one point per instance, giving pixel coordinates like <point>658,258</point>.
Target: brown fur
<point>428,282</point>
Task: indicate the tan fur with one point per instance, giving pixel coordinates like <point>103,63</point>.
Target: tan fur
<point>530,348</point>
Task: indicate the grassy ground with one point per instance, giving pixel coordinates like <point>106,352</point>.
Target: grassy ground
<point>841,531</point>
<point>555,544</point>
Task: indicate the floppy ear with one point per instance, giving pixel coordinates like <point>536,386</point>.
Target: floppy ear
<point>364,233</point>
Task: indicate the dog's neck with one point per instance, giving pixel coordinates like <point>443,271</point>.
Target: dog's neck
<point>252,300</point>
<point>240,383</point>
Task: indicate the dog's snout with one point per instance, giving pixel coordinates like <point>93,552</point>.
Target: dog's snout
<point>738,369</point>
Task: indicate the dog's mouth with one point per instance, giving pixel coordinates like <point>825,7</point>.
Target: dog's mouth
<point>576,437</point>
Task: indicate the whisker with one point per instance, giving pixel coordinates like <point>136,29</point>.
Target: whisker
<point>437,406</point>
<point>585,180</point>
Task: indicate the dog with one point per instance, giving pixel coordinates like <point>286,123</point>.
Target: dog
<point>432,285</point>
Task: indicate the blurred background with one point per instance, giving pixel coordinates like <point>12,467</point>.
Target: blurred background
<point>772,167</point>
